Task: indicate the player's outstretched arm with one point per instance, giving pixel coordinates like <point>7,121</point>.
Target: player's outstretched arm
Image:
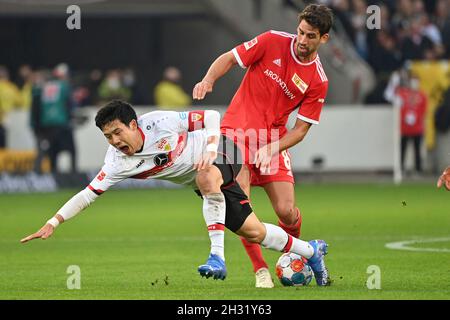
<point>444,179</point>
<point>46,231</point>
<point>70,209</point>
<point>218,68</point>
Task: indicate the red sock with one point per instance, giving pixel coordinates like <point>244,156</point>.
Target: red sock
<point>294,229</point>
<point>255,254</point>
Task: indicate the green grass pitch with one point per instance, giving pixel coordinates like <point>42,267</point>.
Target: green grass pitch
<point>147,244</point>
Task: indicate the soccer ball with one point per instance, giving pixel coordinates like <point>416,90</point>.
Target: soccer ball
<point>293,270</point>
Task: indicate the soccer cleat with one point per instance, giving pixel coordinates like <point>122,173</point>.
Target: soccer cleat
<point>317,262</point>
<point>214,267</point>
<point>263,279</point>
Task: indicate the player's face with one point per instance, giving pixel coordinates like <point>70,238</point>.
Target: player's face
<point>127,139</point>
<point>308,41</point>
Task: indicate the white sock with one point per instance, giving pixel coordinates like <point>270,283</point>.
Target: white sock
<point>277,239</point>
<point>214,215</point>
<point>217,242</point>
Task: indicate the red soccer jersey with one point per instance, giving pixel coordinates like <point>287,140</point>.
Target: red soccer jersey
<point>412,113</point>
<point>275,84</point>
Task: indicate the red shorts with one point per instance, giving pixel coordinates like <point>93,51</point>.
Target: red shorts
<point>280,166</point>
<point>280,170</point>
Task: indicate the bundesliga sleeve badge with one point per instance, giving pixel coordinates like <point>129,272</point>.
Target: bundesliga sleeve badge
<point>249,44</point>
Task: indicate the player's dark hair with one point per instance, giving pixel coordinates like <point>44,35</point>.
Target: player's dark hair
<point>318,16</point>
<point>115,110</point>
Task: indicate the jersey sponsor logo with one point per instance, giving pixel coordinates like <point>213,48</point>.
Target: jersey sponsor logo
<point>272,75</point>
<point>277,62</point>
<point>299,83</point>
<point>161,159</point>
<point>249,44</point>
<point>140,163</point>
<point>163,144</point>
<point>101,176</point>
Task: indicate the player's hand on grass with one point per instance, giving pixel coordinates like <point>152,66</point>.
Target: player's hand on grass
<point>444,179</point>
<point>206,161</point>
<point>45,232</point>
<point>263,157</point>
<point>201,89</point>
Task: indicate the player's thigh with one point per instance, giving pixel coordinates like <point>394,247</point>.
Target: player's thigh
<point>237,205</point>
<point>209,180</point>
<point>244,178</point>
<point>252,229</point>
<point>282,197</point>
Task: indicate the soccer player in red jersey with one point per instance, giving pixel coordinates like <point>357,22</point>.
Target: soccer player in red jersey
<point>284,73</point>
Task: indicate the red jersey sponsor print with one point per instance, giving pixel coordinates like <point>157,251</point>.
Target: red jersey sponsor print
<point>276,83</point>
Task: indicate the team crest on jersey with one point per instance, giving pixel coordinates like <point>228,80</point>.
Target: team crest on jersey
<point>249,44</point>
<point>299,83</point>
<point>195,117</point>
<point>163,144</point>
<point>161,159</point>
<point>101,176</point>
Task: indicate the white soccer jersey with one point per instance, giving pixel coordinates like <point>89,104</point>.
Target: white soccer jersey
<point>172,144</point>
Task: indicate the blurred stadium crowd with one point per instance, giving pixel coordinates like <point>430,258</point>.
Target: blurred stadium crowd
<point>88,88</point>
<point>409,30</point>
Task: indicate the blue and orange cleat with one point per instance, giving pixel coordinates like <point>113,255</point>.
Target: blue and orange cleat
<point>317,262</point>
<point>214,267</point>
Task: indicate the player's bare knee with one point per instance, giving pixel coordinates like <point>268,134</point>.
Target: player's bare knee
<point>209,181</point>
<point>255,235</point>
<point>286,212</point>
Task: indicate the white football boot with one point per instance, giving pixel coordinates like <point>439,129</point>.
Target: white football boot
<point>263,279</point>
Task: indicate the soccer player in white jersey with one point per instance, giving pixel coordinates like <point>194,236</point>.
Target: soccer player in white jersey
<point>185,148</point>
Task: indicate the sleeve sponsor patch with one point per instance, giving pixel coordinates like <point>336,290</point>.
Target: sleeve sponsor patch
<point>249,44</point>
<point>196,120</point>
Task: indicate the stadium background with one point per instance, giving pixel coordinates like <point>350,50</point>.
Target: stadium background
<point>349,181</point>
